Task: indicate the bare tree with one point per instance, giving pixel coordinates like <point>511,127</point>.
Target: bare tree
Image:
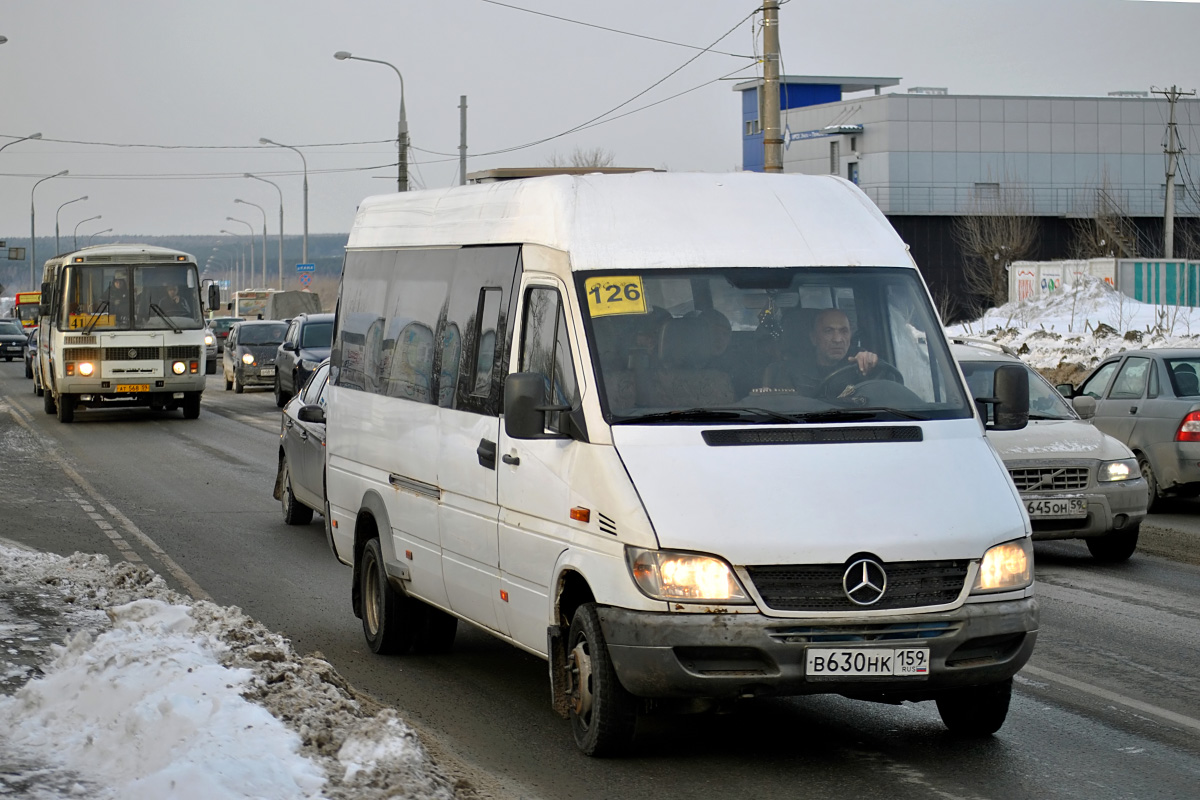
<point>580,157</point>
<point>997,230</point>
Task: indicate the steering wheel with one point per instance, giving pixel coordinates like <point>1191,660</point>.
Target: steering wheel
<point>837,381</point>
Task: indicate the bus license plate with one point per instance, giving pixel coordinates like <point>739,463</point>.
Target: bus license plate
<point>1061,507</point>
<point>867,662</point>
<point>133,387</point>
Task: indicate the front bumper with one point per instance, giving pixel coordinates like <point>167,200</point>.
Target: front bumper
<point>253,376</point>
<point>1119,506</point>
<point>738,655</point>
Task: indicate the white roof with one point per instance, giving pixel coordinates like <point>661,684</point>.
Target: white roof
<point>119,249</point>
<point>647,220</point>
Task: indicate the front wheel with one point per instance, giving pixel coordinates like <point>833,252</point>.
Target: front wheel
<point>66,407</point>
<point>237,385</point>
<point>28,369</point>
<point>1114,546</point>
<point>294,512</point>
<point>603,714</point>
<point>280,398</point>
<point>390,619</point>
<point>1153,498</point>
<point>976,711</point>
<point>191,405</point>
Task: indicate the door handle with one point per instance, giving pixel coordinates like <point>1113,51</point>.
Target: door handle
<point>510,459</point>
<point>304,436</point>
<point>1133,409</point>
<point>487,453</point>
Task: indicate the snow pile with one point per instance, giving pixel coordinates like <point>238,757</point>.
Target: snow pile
<point>153,696</point>
<point>1067,333</point>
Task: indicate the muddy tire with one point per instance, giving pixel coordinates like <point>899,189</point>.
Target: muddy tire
<point>66,408</point>
<point>603,714</point>
<point>1114,546</point>
<point>976,711</point>
<point>391,620</point>
<point>294,512</point>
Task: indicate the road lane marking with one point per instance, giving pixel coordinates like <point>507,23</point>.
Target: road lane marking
<point>118,541</point>
<point>1163,714</point>
<point>189,585</point>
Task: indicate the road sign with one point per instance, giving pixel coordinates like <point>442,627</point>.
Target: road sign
<point>306,267</point>
<point>306,278</point>
<point>16,254</point>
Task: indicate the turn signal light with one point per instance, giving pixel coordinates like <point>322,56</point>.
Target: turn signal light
<point>581,514</point>
<point>1189,429</point>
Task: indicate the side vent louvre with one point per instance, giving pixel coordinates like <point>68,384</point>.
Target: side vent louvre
<point>607,525</point>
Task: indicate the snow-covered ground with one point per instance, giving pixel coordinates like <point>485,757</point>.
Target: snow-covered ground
<point>114,686</point>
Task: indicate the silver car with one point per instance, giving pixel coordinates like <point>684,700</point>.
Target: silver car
<point>1150,400</point>
<point>300,480</point>
<point>1077,482</point>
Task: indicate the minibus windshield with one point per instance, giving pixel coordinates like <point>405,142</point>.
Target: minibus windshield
<point>122,298</point>
<point>775,345</point>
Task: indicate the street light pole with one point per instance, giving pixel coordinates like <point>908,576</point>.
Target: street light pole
<point>22,139</point>
<point>241,270</point>
<point>250,277</point>
<point>304,253</point>
<point>32,225</point>
<point>97,233</point>
<point>57,247</point>
<point>402,125</point>
<point>264,180</point>
<point>264,249</point>
<point>77,224</point>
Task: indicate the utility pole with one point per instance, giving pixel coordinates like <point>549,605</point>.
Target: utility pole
<point>772,127</point>
<point>1173,94</point>
<point>462,139</point>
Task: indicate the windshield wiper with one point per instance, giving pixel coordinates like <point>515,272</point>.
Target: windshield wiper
<point>154,307</point>
<point>87,330</point>
<point>710,414</point>
<point>853,414</point>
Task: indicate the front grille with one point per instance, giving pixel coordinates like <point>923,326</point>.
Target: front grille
<point>181,351</point>
<point>79,340</point>
<point>818,587</point>
<point>1050,479</point>
<point>81,354</point>
<point>866,433</point>
<point>132,354</point>
<point>884,632</point>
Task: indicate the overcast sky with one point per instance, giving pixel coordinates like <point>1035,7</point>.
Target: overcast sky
<point>223,73</point>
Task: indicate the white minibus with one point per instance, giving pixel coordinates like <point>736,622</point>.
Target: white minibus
<point>691,438</point>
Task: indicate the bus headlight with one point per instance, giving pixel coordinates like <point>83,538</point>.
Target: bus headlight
<point>86,369</point>
<point>689,577</point>
<point>247,358</point>
<point>179,368</point>
<point>1006,567</point>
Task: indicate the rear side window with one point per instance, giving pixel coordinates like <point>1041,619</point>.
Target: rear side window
<point>1131,380</point>
<point>1185,376</point>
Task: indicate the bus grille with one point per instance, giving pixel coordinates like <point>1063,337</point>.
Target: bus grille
<point>132,353</point>
<point>1049,479</point>
<point>818,587</point>
<point>181,351</point>
<point>81,354</point>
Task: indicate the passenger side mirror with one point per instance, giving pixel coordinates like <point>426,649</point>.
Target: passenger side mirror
<point>1010,401</point>
<point>1066,390</point>
<point>288,346</point>
<point>214,296</point>
<point>311,413</point>
<point>526,413</point>
<point>1084,405</point>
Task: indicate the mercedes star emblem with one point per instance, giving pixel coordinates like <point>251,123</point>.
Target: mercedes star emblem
<point>864,582</point>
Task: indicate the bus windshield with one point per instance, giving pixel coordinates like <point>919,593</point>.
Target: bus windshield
<point>151,297</point>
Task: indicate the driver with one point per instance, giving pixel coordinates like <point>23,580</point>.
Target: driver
<point>830,337</point>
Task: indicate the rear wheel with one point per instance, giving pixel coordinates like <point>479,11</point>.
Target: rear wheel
<point>280,398</point>
<point>191,405</point>
<point>1153,498</point>
<point>976,711</point>
<point>1114,546</point>
<point>603,714</point>
<point>237,384</point>
<point>48,404</point>
<point>391,620</point>
<point>294,512</point>
<point>210,368</point>
<point>66,407</point>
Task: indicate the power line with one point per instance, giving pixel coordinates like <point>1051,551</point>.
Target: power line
<point>205,175</point>
<point>613,30</point>
<point>198,146</point>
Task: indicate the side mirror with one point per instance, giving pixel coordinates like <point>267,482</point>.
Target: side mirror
<point>1011,398</point>
<point>1084,405</point>
<point>1065,389</point>
<point>44,303</point>
<point>214,296</point>
<point>525,407</point>
<point>312,414</point>
<point>287,346</point>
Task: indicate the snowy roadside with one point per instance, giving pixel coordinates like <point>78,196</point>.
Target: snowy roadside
<point>114,686</point>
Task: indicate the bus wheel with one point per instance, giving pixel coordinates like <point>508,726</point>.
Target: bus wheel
<point>66,407</point>
<point>390,618</point>
<point>48,404</point>
<point>975,711</point>
<point>191,405</point>
<point>603,714</point>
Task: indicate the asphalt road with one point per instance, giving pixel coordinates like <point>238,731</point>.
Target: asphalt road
<point>1108,708</point>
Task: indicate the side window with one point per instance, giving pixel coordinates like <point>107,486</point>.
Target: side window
<point>315,387</point>
<point>485,342</point>
<point>545,346</point>
<point>1153,391</point>
<point>1131,380</point>
<point>1095,385</point>
<point>293,333</point>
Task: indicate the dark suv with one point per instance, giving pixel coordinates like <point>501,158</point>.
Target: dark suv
<point>304,347</point>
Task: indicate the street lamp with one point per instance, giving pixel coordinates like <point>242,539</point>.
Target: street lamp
<point>22,139</point>
<point>264,250</point>
<point>57,247</point>
<point>77,224</point>
<point>304,253</point>
<point>97,233</point>
<point>250,277</point>
<point>3,39</point>
<point>264,180</point>
<point>241,270</point>
<point>32,232</point>
<point>402,126</point>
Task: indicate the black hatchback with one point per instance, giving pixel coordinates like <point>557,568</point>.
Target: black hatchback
<point>13,339</point>
<point>304,347</point>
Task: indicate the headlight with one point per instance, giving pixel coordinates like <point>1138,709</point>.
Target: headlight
<point>1123,470</point>
<point>179,368</point>
<point>1005,567</point>
<point>247,358</point>
<point>208,339</point>
<point>86,369</point>
<point>666,575</point>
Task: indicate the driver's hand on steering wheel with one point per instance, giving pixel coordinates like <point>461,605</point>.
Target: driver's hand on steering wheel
<point>866,361</point>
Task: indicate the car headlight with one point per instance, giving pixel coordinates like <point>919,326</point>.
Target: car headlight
<point>209,340</point>
<point>1006,567</point>
<point>687,577</point>
<point>247,358</point>
<point>1124,470</point>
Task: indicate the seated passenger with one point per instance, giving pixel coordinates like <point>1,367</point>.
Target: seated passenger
<point>830,338</point>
